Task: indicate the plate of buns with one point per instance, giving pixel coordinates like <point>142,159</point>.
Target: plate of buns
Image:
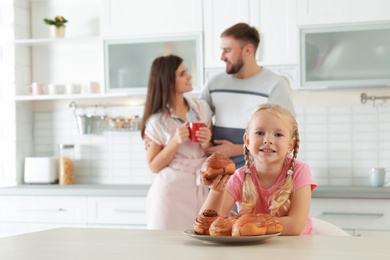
<point>209,226</point>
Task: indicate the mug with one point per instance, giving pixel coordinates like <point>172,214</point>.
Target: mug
<point>377,177</point>
<point>72,88</point>
<point>194,126</point>
<point>53,89</point>
<point>93,87</point>
<point>37,88</point>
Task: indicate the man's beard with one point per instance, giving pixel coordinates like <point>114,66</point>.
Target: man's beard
<point>235,68</point>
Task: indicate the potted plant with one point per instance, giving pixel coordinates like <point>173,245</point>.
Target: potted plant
<point>57,26</point>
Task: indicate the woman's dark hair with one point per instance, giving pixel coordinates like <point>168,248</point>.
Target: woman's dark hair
<point>161,87</point>
<point>244,33</point>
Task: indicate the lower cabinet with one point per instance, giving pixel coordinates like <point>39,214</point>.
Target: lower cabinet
<point>359,217</point>
<point>123,211</point>
<point>24,214</point>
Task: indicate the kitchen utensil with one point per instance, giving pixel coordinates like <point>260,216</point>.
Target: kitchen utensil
<point>93,87</point>
<point>54,89</point>
<point>194,126</point>
<point>37,88</point>
<point>84,123</point>
<point>40,170</point>
<point>73,89</point>
<point>377,177</point>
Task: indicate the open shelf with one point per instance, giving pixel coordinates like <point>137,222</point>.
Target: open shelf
<point>53,41</point>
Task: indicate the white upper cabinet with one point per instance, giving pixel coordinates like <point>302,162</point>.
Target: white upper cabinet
<point>150,17</point>
<point>275,20</point>
<point>316,12</point>
<point>217,16</point>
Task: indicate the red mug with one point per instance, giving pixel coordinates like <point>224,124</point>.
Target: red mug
<point>194,126</point>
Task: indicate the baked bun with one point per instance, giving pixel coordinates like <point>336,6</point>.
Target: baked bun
<point>203,221</point>
<point>273,225</point>
<point>222,226</point>
<point>249,225</point>
<point>217,164</point>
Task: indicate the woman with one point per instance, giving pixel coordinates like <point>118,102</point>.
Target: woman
<point>176,195</point>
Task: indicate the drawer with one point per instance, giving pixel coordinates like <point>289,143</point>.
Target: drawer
<point>117,210</point>
<point>367,214</point>
<point>42,209</point>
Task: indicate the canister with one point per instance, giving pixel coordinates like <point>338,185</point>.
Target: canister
<point>66,164</point>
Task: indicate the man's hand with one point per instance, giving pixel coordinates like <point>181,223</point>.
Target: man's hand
<point>226,148</point>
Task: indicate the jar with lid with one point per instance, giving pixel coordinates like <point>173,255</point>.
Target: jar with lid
<point>135,123</point>
<point>66,161</point>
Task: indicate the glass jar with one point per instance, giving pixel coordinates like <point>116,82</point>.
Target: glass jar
<point>66,161</point>
<point>135,123</point>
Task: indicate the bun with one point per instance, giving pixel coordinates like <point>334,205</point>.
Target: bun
<point>222,226</point>
<point>249,225</point>
<point>273,225</point>
<point>217,164</point>
<point>203,221</point>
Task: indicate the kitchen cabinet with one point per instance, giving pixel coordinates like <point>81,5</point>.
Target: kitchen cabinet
<point>122,18</point>
<point>359,217</point>
<point>217,16</point>
<point>278,37</point>
<point>23,214</point>
<point>129,211</point>
<point>317,12</point>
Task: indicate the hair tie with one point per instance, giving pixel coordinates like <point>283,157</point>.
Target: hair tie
<point>248,170</point>
<point>290,172</point>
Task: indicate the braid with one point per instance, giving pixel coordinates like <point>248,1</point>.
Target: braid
<point>280,200</point>
<point>249,192</point>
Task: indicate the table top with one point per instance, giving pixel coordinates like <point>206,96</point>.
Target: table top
<point>113,244</point>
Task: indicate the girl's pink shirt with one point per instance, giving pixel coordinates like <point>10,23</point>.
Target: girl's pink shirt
<point>301,177</point>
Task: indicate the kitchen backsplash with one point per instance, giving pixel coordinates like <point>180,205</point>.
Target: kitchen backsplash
<point>340,143</point>
<point>102,157</point>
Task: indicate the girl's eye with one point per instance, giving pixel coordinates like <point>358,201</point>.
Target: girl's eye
<point>259,133</point>
<point>278,135</point>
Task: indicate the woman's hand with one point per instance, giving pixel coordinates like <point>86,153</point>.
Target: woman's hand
<point>182,134</point>
<point>204,136</point>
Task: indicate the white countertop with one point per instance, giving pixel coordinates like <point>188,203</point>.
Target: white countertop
<point>354,192</point>
<point>76,190</point>
<point>113,244</point>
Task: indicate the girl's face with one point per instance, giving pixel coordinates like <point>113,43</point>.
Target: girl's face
<point>269,139</point>
<point>183,79</point>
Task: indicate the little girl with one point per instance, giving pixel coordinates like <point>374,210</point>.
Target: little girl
<point>273,182</point>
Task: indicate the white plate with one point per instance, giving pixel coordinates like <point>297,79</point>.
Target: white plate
<point>229,239</point>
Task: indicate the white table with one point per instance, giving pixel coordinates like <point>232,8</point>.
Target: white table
<point>113,244</point>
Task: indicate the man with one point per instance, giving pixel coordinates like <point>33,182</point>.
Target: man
<point>233,95</point>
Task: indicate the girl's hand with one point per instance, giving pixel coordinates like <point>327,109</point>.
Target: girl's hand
<point>182,134</point>
<point>218,184</point>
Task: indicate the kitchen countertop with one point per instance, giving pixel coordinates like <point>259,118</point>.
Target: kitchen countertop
<point>351,192</point>
<point>98,243</point>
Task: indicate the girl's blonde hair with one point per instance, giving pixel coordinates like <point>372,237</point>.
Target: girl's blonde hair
<point>279,202</point>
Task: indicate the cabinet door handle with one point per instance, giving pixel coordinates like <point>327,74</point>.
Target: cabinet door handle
<point>353,214</point>
<point>42,210</point>
<point>128,211</point>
